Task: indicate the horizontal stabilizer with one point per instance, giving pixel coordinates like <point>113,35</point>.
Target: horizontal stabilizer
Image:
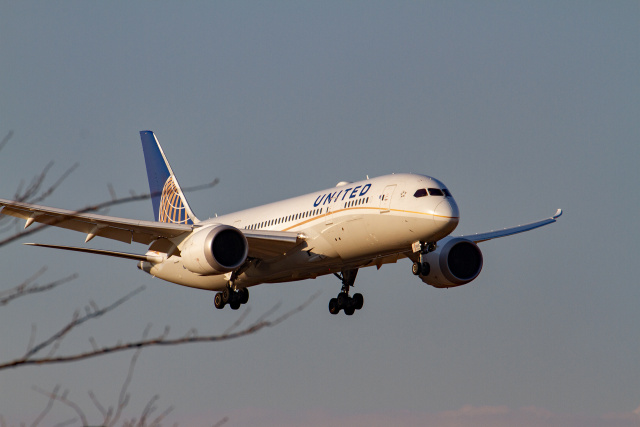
<point>150,258</point>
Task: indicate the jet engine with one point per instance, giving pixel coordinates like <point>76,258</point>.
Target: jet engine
<point>455,262</point>
<point>215,250</point>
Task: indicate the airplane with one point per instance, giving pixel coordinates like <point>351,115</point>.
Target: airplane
<point>336,231</point>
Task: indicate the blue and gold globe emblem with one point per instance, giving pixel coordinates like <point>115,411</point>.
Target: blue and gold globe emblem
<point>172,209</point>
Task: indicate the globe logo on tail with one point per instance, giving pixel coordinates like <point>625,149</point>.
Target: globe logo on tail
<point>172,209</point>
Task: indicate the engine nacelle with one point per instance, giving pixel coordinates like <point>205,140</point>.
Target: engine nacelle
<point>455,262</point>
<point>215,250</point>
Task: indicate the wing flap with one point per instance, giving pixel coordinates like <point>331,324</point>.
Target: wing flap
<point>483,237</point>
<point>121,229</point>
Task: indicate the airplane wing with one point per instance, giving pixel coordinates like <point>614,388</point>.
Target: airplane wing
<point>121,229</point>
<point>262,243</point>
<point>266,244</point>
<point>483,237</point>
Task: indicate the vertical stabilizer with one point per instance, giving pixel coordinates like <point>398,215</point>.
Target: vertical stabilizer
<point>169,203</point>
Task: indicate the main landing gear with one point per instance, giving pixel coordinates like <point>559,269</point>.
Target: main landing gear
<point>344,301</point>
<point>422,267</point>
<point>235,298</point>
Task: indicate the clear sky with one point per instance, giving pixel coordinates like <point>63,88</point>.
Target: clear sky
<point>519,107</point>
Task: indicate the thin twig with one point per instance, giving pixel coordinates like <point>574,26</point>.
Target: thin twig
<point>48,407</point>
<point>55,185</point>
<point>96,402</point>
<point>63,398</point>
<point>36,289</point>
<point>6,139</point>
<point>77,321</point>
<point>123,400</point>
<point>222,421</point>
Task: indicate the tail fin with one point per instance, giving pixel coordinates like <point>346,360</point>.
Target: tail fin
<point>169,203</point>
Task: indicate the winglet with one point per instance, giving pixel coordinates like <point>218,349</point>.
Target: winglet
<point>169,203</point>
<point>482,237</point>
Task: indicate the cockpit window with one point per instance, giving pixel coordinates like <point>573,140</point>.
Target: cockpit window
<point>420,193</point>
<point>446,192</point>
<point>435,192</point>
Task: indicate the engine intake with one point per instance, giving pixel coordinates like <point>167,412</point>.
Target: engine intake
<point>215,250</point>
<point>455,262</point>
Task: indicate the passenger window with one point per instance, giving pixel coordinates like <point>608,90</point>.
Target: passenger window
<point>435,192</point>
<point>420,193</point>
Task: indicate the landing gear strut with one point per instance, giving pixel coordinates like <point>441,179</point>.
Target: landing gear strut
<point>422,267</point>
<point>343,301</point>
<point>235,298</point>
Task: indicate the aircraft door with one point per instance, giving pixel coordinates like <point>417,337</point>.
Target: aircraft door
<point>328,215</point>
<point>385,199</point>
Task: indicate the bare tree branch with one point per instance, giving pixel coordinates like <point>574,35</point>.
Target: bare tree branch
<point>153,342</point>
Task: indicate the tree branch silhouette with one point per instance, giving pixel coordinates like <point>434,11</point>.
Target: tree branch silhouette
<point>161,340</point>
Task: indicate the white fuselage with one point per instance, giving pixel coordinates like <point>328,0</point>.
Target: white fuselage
<point>352,225</point>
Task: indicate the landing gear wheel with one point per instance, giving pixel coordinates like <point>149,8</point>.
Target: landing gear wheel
<point>358,301</point>
<point>343,299</point>
<point>226,295</point>
<point>218,301</point>
<point>244,295</point>
<point>235,303</point>
<point>334,308</point>
<point>425,269</point>
<point>416,269</point>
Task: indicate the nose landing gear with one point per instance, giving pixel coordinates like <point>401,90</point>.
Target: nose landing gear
<point>422,267</point>
<point>343,301</point>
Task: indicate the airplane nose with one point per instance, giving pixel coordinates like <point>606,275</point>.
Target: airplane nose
<point>447,215</point>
